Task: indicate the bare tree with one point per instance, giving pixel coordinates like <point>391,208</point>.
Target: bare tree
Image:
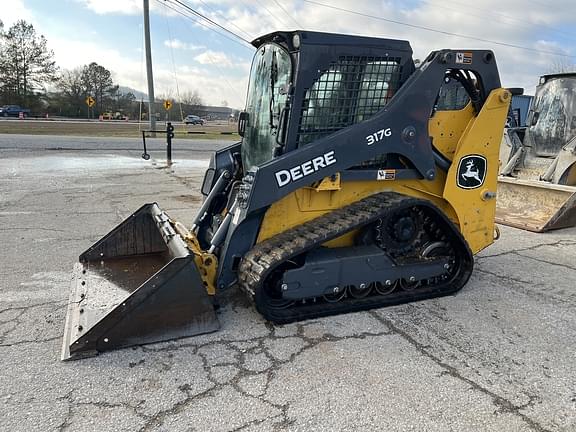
<point>190,102</point>
<point>72,91</point>
<point>167,95</point>
<point>90,80</point>
<point>191,98</point>
<point>97,82</point>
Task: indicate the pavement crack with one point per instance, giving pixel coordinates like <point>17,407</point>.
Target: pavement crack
<point>545,261</point>
<point>15,322</point>
<point>518,285</point>
<point>158,418</point>
<point>72,404</point>
<point>528,248</point>
<point>240,359</point>
<point>67,422</point>
<point>256,422</point>
<point>504,277</point>
<point>32,229</point>
<point>24,308</point>
<point>34,341</point>
<point>502,403</point>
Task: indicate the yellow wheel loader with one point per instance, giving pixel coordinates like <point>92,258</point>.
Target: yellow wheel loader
<point>360,182</point>
<point>536,187</point>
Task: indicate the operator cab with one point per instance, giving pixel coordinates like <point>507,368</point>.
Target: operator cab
<point>307,85</point>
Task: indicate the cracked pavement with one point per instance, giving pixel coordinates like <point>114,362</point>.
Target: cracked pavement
<point>497,356</point>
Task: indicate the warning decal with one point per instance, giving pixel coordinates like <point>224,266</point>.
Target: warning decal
<point>386,175</point>
<point>464,57</point>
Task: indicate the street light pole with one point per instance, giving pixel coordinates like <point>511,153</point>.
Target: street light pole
<point>151,107</point>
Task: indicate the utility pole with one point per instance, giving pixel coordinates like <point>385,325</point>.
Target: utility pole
<point>151,107</point>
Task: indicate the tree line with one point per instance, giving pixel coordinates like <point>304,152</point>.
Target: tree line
<point>29,77</point>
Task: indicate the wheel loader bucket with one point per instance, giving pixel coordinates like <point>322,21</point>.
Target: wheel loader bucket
<point>535,205</point>
<point>139,284</point>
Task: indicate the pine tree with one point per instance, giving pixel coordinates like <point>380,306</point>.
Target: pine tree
<point>26,64</point>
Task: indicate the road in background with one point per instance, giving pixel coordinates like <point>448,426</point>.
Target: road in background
<point>499,356</point>
<point>83,128</point>
<point>63,120</point>
<point>34,145</point>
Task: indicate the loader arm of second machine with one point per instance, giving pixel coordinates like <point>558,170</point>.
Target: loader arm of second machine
<point>537,183</point>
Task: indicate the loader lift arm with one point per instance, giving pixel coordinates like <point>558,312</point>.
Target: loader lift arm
<point>406,117</point>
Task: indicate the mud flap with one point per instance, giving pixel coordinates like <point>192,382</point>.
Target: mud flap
<point>139,284</point>
<point>535,205</point>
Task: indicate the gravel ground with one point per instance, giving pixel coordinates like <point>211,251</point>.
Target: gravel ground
<point>499,356</point>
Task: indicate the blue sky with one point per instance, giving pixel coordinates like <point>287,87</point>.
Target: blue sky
<point>188,56</point>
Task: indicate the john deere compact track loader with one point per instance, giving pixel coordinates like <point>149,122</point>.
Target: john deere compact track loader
<point>360,182</point>
<point>537,185</point>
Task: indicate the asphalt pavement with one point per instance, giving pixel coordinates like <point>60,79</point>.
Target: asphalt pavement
<point>499,356</point>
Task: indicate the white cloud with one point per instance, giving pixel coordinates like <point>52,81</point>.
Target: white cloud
<point>128,72</point>
<point>510,22</point>
<point>126,7</point>
<point>218,58</point>
<point>538,26</point>
<point>70,53</point>
<point>15,11</point>
<point>178,44</point>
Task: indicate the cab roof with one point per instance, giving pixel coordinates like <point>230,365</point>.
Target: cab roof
<point>328,39</point>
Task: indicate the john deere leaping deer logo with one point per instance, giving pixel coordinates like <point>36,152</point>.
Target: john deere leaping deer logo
<point>471,172</point>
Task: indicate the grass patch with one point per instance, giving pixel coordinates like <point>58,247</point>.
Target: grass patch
<point>112,129</point>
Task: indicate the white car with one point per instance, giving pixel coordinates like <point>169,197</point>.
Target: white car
<point>192,119</point>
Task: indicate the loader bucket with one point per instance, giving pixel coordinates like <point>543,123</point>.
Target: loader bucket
<point>535,205</point>
<point>138,284</point>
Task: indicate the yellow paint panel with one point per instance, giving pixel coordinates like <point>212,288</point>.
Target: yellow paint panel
<point>456,134</point>
<point>474,208</point>
<point>571,176</point>
<point>329,183</point>
<point>447,127</point>
<point>306,204</point>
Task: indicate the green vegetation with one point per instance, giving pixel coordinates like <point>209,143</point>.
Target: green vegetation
<point>29,77</point>
<point>116,129</point>
<point>26,65</point>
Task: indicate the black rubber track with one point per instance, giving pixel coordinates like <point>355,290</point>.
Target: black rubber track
<point>260,261</point>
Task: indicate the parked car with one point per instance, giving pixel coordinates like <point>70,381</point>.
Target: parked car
<point>13,110</point>
<point>193,119</point>
<point>109,115</point>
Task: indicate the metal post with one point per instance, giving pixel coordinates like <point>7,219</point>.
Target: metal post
<point>169,136</point>
<point>140,113</point>
<point>151,107</point>
<point>145,155</point>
